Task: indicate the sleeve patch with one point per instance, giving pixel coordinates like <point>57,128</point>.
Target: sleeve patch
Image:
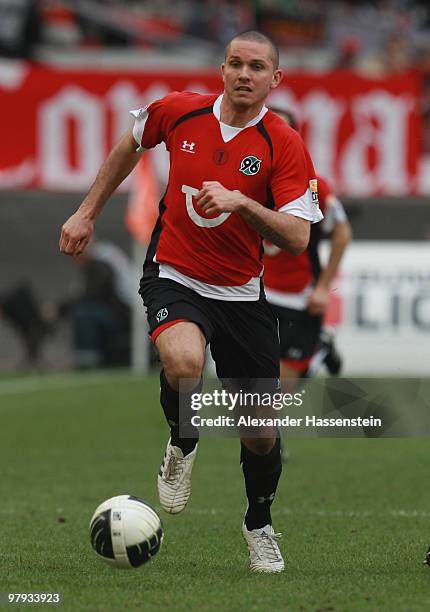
<point>313,186</point>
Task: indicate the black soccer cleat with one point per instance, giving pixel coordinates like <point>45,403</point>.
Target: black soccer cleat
<point>332,359</point>
<point>427,559</point>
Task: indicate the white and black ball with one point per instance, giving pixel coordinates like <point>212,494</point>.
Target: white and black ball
<point>125,531</point>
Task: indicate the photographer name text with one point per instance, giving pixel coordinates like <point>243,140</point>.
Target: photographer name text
<point>287,421</point>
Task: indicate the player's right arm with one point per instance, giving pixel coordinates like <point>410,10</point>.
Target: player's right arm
<point>78,229</point>
<point>294,190</point>
<point>152,124</point>
<point>341,235</point>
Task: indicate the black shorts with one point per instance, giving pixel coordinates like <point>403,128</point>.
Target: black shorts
<point>299,333</point>
<point>243,336</point>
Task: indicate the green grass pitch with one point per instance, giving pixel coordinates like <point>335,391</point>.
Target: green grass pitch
<point>355,514</point>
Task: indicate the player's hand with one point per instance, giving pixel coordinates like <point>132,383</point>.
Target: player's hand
<point>213,198</point>
<point>318,301</point>
<point>76,234</point>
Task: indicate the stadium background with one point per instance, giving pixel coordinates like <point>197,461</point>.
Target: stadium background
<point>357,74</point>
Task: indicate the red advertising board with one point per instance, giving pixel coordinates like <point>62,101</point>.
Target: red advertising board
<point>58,125</point>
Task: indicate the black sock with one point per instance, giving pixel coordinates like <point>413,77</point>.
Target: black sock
<point>169,399</point>
<point>261,474</point>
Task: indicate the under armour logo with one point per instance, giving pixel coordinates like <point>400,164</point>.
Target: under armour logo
<point>261,500</point>
<point>188,147</point>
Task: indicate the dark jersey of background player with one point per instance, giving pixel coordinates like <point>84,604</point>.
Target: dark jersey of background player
<point>290,281</point>
<point>297,286</point>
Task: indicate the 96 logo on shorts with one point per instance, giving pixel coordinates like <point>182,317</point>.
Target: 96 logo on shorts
<point>250,165</point>
<point>161,314</point>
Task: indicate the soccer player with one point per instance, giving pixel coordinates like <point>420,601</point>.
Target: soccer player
<point>237,173</point>
<point>299,288</point>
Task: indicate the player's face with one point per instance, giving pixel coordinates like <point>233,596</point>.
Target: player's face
<point>249,74</point>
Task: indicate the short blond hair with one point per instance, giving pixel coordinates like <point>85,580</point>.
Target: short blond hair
<point>255,36</point>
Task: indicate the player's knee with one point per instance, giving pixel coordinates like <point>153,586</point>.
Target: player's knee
<point>186,365</point>
<point>260,446</point>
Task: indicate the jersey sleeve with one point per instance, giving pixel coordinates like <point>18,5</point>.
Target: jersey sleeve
<point>294,184</point>
<point>154,121</point>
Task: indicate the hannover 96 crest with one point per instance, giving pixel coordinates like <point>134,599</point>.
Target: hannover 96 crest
<point>250,165</point>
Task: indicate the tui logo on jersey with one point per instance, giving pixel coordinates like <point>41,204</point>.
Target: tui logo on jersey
<point>250,165</point>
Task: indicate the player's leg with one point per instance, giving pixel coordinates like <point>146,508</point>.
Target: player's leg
<point>331,356</point>
<point>262,467</point>
<point>297,343</point>
<point>299,339</point>
<point>261,473</point>
<point>181,348</point>
<point>179,330</point>
<point>246,347</point>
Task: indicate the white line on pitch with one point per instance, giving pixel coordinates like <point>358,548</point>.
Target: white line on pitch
<point>30,385</point>
<point>324,513</point>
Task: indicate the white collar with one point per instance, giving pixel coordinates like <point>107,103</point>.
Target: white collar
<point>229,131</point>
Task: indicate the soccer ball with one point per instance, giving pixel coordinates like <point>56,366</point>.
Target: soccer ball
<point>126,531</point>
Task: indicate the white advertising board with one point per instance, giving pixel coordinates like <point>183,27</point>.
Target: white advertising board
<point>381,308</point>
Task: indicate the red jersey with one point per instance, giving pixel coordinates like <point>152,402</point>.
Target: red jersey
<point>287,273</point>
<point>266,161</point>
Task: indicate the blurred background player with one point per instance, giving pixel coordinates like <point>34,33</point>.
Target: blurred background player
<point>298,287</point>
<point>21,309</point>
<point>99,307</point>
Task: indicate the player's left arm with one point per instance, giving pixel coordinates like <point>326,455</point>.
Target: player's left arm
<point>340,238</point>
<point>286,231</point>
